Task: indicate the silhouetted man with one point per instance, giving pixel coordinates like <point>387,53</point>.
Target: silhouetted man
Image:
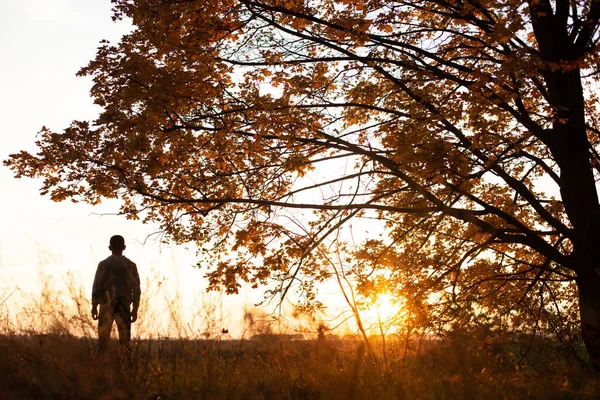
<point>116,289</point>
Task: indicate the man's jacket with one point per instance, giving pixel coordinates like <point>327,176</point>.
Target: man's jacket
<point>116,280</point>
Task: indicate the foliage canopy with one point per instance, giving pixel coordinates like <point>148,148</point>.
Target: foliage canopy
<point>466,131</point>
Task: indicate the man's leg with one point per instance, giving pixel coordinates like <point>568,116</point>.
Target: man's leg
<point>123,320</point>
<point>105,321</point>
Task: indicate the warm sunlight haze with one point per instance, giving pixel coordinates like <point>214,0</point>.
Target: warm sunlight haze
<point>324,199</point>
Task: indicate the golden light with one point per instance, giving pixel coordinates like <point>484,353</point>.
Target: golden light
<point>384,311</point>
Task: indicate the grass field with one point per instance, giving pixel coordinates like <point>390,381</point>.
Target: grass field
<point>61,366</point>
<point>51,355</point>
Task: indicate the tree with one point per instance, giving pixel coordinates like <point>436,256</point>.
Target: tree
<point>467,129</point>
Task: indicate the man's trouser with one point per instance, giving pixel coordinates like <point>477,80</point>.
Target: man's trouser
<point>119,313</point>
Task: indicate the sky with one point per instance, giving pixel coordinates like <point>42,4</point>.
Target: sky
<point>43,43</point>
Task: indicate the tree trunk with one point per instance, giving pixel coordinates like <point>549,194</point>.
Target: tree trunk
<point>588,284</point>
<point>569,144</point>
<point>589,311</point>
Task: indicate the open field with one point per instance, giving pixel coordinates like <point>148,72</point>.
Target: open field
<point>64,367</point>
<point>47,351</point>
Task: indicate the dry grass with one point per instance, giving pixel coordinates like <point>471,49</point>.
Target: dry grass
<point>51,355</point>
<point>65,367</point>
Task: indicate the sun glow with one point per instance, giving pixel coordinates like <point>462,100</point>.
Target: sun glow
<point>385,311</point>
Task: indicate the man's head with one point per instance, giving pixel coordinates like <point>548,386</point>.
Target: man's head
<point>117,244</point>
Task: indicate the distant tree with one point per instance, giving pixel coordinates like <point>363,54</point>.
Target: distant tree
<point>467,129</point>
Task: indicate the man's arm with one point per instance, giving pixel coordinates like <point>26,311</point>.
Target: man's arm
<point>96,290</point>
<point>135,291</point>
<point>97,287</point>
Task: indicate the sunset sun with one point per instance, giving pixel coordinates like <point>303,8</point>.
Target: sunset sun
<point>384,310</point>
